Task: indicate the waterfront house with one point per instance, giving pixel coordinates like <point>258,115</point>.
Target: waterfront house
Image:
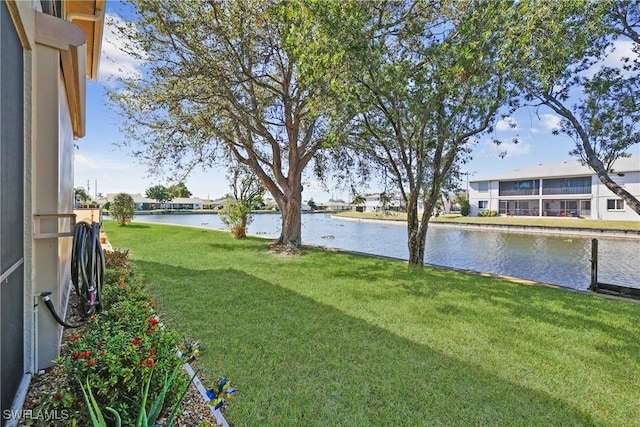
<point>561,189</point>
<point>337,205</point>
<point>143,203</point>
<point>376,202</point>
<point>49,49</point>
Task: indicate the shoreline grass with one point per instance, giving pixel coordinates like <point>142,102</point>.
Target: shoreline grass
<point>339,339</point>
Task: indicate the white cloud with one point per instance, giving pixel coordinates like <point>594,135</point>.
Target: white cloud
<point>621,49</point>
<point>550,121</point>
<point>488,149</point>
<point>82,161</point>
<point>507,123</point>
<point>114,61</point>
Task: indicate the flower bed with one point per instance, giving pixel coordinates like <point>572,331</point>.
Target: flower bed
<point>120,355</point>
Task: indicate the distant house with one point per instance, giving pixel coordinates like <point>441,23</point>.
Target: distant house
<point>564,189</point>
<point>144,203</point>
<point>337,205</point>
<point>375,202</point>
<point>185,203</point>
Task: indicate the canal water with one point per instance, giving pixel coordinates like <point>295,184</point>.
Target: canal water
<point>560,260</point>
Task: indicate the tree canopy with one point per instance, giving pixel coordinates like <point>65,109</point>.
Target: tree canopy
<point>433,79</point>
<point>122,208</point>
<point>250,78</point>
<point>561,51</point>
<point>159,193</point>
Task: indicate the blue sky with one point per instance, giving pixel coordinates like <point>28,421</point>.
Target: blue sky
<point>99,161</point>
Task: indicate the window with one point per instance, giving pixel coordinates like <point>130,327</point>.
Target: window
<point>483,204</point>
<point>615,204</point>
<point>483,186</point>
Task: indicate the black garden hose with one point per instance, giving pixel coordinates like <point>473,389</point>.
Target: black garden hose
<point>46,297</point>
<point>87,271</point>
<point>87,266</point>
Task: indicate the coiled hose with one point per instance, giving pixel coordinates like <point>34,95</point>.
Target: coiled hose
<point>87,271</point>
<point>87,266</point>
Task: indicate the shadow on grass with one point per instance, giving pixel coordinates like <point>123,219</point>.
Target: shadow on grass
<point>300,362</point>
<point>561,309</point>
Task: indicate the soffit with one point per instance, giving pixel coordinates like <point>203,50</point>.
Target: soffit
<point>80,12</point>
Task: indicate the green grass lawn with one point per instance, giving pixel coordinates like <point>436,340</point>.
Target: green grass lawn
<point>502,220</point>
<point>334,339</point>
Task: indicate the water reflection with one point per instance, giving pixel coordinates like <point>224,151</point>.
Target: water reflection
<point>560,260</point>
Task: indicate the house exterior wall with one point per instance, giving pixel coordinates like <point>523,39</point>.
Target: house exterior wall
<point>12,211</point>
<point>571,195</point>
<point>601,194</point>
<point>52,116</point>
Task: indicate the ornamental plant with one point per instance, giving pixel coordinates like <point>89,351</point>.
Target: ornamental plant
<point>118,349</point>
<point>145,418</point>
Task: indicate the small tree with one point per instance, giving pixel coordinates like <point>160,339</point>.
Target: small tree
<point>81,195</point>
<point>359,199</point>
<point>312,204</point>
<point>465,207</point>
<point>247,191</point>
<point>122,208</point>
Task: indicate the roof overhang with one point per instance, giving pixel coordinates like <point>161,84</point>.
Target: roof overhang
<point>89,16</point>
<point>70,41</point>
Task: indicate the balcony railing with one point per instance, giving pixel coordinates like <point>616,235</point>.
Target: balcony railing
<point>583,189</point>
<point>520,192</point>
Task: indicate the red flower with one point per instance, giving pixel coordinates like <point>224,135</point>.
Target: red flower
<point>123,274</point>
<point>91,362</point>
<point>136,341</point>
<point>102,353</point>
<point>153,321</point>
<point>151,331</point>
<point>120,283</point>
<point>81,354</point>
<point>75,337</point>
<point>148,362</point>
<point>152,351</point>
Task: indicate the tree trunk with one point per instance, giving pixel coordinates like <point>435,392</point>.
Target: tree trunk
<point>291,234</point>
<point>416,247</point>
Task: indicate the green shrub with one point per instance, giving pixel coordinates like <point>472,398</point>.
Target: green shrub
<point>488,212</point>
<point>465,207</point>
<point>119,348</point>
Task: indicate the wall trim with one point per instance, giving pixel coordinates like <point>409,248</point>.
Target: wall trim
<point>71,41</point>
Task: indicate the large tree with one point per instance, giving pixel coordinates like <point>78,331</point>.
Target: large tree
<point>561,49</point>
<point>253,78</point>
<point>159,193</point>
<point>432,81</point>
<point>180,190</point>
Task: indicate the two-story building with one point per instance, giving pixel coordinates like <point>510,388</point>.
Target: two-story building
<point>563,189</point>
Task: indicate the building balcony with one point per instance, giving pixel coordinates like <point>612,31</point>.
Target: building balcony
<point>547,191</point>
<point>520,192</point>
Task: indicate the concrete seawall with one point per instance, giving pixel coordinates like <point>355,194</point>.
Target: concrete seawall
<point>528,229</point>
